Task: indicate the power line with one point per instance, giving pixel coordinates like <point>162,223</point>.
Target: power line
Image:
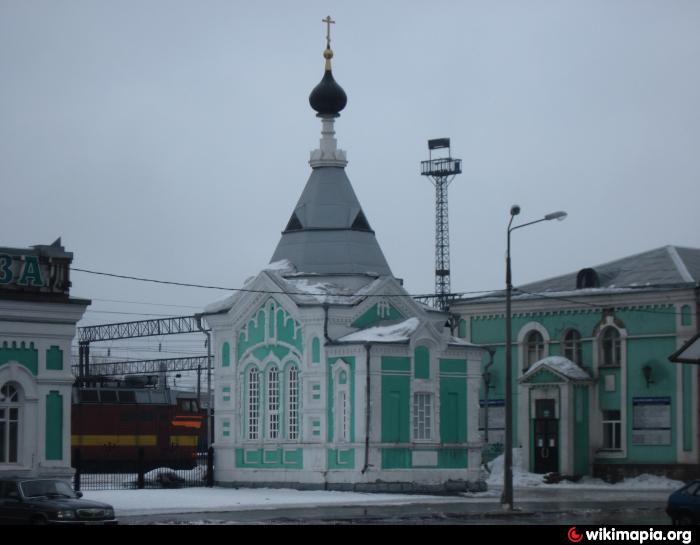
<point>277,292</point>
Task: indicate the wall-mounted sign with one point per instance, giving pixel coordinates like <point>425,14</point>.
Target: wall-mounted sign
<point>40,269</point>
<point>651,421</point>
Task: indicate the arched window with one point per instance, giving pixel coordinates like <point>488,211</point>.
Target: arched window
<point>273,403</point>
<point>253,403</point>
<point>572,346</point>
<point>341,407</point>
<point>611,347</point>
<point>534,348</point>
<point>9,424</point>
<point>686,316</point>
<point>293,402</point>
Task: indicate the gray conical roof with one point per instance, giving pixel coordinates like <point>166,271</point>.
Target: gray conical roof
<point>328,232</point>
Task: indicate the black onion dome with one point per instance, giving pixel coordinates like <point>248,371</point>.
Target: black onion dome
<point>328,98</point>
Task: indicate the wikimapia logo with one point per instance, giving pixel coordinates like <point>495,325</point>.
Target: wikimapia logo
<point>639,536</point>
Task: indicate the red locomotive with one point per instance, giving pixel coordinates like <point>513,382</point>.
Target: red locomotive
<point>121,425</point>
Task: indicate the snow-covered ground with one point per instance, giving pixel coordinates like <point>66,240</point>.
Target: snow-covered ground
<point>194,500</point>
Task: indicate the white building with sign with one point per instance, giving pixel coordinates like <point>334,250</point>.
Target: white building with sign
<point>37,324</point>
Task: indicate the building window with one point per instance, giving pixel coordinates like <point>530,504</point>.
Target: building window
<point>422,416</point>
<point>686,316</point>
<point>293,403</point>
<point>572,346</point>
<point>534,348</point>
<point>253,400</point>
<point>9,424</point>
<point>611,347</point>
<point>342,407</point>
<point>612,430</point>
<point>273,403</point>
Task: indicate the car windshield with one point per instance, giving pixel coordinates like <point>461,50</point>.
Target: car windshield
<point>46,487</point>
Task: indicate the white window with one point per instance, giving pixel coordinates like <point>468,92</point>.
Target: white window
<point>612,430</point>
<point>611,346</point>
<point>9,424</point>
<point>422,416</point>
<point>253,399</point>
<point>342,405</point>
<point>273,403</point>
<point>572,346</point>
<point>534,348</point>
<point>293,403</point>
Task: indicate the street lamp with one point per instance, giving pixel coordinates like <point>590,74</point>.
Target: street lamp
<point>507,495</point>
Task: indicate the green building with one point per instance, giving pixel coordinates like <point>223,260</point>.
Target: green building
<point>329,375</point>
<point>594,390</point>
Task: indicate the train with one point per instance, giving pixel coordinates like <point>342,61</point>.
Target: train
<point>133,424</point>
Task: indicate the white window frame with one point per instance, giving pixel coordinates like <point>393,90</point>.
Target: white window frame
<point>293,402</point>
<point>423,418</point>
<point>273,402</point>
<point>342,410</point>
<point>252,401</point>
<point>616,425</point>
<point>10,403</point>
<point>534,351</point>
<point>573,347</point>
<point>615,348</point>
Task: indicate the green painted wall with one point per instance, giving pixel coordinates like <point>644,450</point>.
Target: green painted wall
<point>687,407</point>
<point>226,355</point>
<point>396,458</point>
<point>270,459</point>
<point>453,458</point>
<point>653,352</point>
<point>283,332</point>
<point>396,391</point>
<point>54,426</point>
<point>26,356</point>
<point>54,359</point>
<point>378,313</point>
<point>609,401</point>
<point>581,431</point>
<point>421,360</point>
<point>453,402</point>
<point>341,458</point>
<point>315,350</point>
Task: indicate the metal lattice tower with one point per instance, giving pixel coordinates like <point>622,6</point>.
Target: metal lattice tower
<point>441,171</point>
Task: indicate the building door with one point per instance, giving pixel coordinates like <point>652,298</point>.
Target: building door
<point>546,437</point>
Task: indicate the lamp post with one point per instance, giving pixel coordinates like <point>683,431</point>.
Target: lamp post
<point>507,495</point>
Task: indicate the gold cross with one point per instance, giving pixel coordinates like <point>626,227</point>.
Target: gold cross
<point>328,22</point>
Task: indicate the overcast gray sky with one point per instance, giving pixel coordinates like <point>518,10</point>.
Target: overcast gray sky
<point>169,139</point>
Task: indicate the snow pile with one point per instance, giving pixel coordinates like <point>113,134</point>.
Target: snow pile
<point>524,479</point>
<point>521,477</point>
<point>384,334</point>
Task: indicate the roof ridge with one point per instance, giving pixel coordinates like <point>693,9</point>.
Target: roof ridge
<point>680,264</point>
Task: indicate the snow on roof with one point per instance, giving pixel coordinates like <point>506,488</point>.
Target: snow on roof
<point>558,364</point>
<point>395,333</point>
<point>283,265</point>
<point>689,352</point>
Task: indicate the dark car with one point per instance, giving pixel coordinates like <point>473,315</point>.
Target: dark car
<point>684,504</point>
<point>48,501</point>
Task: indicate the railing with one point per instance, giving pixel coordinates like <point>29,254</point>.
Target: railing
<point>143,475</point>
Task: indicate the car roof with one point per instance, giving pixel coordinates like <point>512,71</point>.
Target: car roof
<point>15,478</point>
